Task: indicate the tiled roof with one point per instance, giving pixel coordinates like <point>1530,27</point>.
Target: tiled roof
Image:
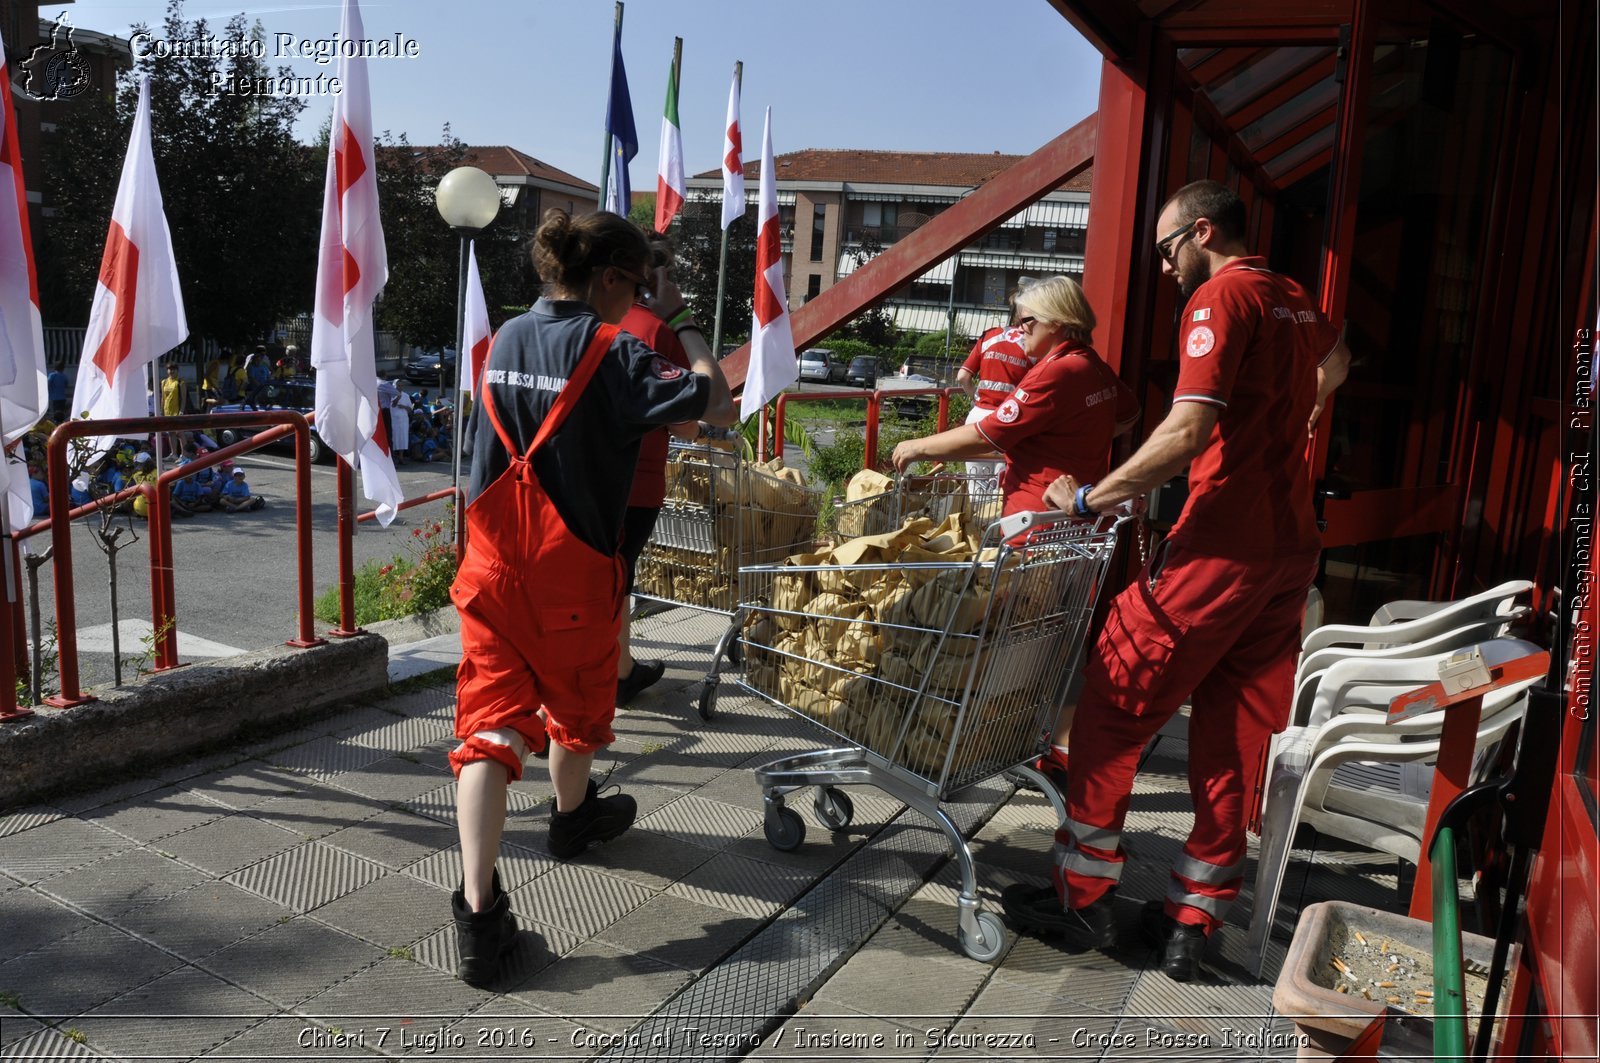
<point>941,168</point>
<point>498,160</point>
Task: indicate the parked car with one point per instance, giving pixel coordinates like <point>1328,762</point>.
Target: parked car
<point>864,371</point>
<point>818,365</point>
<point>298,395</point>
<point>437,369</point>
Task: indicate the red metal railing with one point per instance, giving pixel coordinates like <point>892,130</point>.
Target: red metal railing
<point>158,496</point>
<point>347,526</point>
<point>874,412</point>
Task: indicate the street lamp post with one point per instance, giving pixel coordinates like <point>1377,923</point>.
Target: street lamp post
<point>468,200</point>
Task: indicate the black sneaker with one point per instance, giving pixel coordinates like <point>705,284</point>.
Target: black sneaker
<point>482,938</point>
<point>1037,910</point>
<point>645,674</point>
<point>1182,944</point>
<point>598,819</point>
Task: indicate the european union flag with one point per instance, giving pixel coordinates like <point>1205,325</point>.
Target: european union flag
<point>619,127</point>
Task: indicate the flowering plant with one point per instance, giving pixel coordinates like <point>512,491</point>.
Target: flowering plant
<point>420,580</point>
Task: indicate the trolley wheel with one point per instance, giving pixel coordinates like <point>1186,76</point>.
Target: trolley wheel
<point>990,940</point>
<point>834,808</point>
<point>735,653</point>
<point>785,830</point>
<point>708,701</point>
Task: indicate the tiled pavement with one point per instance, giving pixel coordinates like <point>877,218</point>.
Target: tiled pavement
<point>291,901</point>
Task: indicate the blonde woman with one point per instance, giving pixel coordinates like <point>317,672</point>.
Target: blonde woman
<point>1062,415</point>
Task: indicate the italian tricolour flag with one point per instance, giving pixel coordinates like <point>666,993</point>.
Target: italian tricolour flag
<point>669,172</point>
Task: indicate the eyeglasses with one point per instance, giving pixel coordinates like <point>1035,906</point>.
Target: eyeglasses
<point>643,289</point>
<point>1165,245</point>
<point>1026,323</point>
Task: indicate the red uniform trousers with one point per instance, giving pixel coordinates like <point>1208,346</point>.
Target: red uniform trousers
<point>540,612</point>
<point>1226,632</point>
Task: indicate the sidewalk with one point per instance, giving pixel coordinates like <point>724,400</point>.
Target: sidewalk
<point>292,902</point>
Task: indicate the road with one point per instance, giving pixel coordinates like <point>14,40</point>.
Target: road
<point>234,574</point>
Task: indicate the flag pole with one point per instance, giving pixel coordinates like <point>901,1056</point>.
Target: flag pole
<point>722,260</point>
<point>605,163</point>
<point>463,364</point>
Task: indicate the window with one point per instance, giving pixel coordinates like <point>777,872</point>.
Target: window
<point>819,224</point>
<point>871,215</point>
<point>813,286</point>
<point>994,287</point>
<point>1049,239</point>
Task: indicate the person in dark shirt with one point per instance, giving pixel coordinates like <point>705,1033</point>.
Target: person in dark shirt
<point>650,476</point>
<point>563,400</point>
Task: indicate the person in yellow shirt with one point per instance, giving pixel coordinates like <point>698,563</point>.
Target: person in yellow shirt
<point>171,392</point>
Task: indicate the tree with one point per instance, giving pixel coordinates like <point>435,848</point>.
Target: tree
<point>643,211</point>
<point>241,194</point>
<point>697,232</point>
<point>419,301</point>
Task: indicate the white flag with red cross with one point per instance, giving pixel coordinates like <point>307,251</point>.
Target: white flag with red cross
<point>352,266</point>
<point>22,365</point>
<point>137,314</point>
<point>733,206</point>
<point>772,364</point>
<point>476,346</point>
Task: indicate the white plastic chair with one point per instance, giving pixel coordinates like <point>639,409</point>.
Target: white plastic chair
<point>1325,673</point>
<point>1358,778</point>
<point>1410,621</point>
<point>1364,686</point>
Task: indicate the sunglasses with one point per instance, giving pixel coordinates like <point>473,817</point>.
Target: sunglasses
<point>1166,245</point>
<point>1026,323</point>
<point>643,288</point>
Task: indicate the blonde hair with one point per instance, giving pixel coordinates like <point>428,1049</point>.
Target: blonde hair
<point>1059,301</point>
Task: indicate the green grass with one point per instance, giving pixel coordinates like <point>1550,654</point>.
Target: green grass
<point>400,954</point>
<point>369,595</point>
<point>11,1000</point>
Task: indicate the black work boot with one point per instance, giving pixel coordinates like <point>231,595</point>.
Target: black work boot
<point>598,819</point>
<point>482,938</point>
<point>645,674</point>
<point>1037,910</point>
<point>1181,944</point>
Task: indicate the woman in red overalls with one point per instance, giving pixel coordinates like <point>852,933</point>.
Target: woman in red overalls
<point>565,398</point>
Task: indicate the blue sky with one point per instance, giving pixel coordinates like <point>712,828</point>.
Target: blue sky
<point>909,75</point>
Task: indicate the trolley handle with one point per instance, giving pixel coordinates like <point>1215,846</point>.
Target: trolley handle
<point>1017,523</point>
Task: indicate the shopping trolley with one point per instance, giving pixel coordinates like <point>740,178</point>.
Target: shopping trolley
<point>720,512</point>
<point>941,676</point>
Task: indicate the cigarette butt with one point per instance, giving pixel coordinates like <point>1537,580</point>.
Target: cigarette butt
<point>1342,987</point>
<point>1360,937</point>
<point>1423,992</point>
<point>1385,985</point>
<point>1367,993</point>
<point>1393,1000</point>
<point>1340,965</point>
<point>1385,946</point>
<point>1393,967</point>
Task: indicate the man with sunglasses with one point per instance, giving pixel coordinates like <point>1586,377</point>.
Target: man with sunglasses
<point>1215,616</point>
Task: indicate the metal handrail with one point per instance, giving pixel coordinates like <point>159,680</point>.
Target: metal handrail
<point>163,605</point>
<point>874,401</point>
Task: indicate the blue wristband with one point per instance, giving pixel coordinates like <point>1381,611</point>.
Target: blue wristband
<point>1080,501</point>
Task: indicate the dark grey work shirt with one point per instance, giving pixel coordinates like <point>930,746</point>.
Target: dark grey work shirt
<point>586,467</point>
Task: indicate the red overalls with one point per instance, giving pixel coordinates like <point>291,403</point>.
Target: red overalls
<point>539,609</point>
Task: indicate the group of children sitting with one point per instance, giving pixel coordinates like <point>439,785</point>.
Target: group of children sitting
<point>223,488</point>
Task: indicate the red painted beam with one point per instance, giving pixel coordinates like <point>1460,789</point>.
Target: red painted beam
<point>1006,193</point>
<point>1112,26</point>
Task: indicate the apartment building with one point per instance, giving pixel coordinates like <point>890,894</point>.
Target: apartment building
<point>840,207</point>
